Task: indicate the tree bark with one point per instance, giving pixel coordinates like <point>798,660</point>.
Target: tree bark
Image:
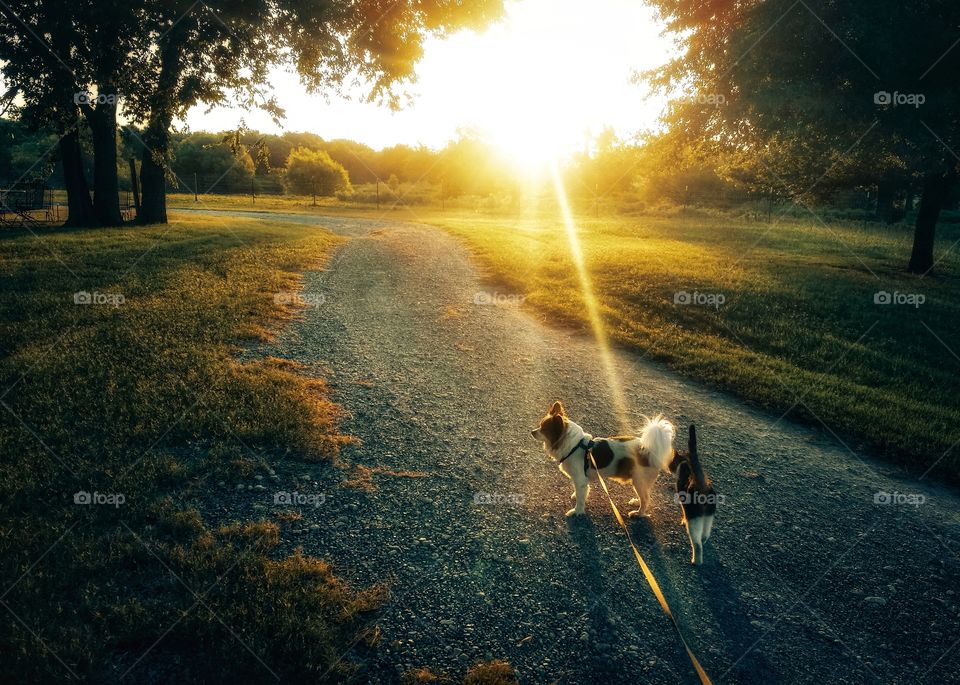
<point>153,181</point>
<point>79,205</point>
<point>156,140</point>
<point>885,197</point>
<point>936,190</point>
<point>106,186</point>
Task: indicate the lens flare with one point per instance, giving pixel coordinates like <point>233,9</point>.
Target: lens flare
<point>590,301</point>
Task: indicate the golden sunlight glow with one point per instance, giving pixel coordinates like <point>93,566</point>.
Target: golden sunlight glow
<point>551,75</point>
<point>590,302</point>
<point>537,85</point>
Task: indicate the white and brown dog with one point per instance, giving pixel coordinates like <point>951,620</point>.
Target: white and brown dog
<point>627,459</point>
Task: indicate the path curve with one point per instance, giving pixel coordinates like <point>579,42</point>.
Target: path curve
<point>807,579</point>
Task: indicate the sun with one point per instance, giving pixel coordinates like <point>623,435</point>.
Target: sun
<point>539,84</point>
<point>530,148</point>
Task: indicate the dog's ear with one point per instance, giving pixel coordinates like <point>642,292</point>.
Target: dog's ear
<point>557,409</point>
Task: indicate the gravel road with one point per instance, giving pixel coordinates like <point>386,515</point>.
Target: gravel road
<point>807,578</point>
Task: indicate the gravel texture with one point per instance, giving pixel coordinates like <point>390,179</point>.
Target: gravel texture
<point>807,578</point>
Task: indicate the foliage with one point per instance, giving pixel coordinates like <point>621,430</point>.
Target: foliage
<point>313,172</point>
<point>205,155</point>
<point>813,96</point>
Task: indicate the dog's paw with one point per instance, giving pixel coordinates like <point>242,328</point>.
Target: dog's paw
<point>637,513</point>
<point>574,512</point>
<point>634,501</point>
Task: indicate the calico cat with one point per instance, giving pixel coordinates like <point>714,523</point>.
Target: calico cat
<point>696,497</point>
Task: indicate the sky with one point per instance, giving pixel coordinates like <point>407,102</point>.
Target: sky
<point>535,84</point>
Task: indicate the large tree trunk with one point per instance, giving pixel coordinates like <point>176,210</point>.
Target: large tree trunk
<point>936,190</point>
<point>886,192</point>
<point>106,187</point>
<point>79,206</point>
<point>153,182</point>
<point>156,140</point>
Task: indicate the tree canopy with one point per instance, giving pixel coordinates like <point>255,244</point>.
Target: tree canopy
<point>804,95</point>
<point>313,172</point>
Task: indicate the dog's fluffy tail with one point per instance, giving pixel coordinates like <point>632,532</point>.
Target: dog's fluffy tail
<point>657,440</point>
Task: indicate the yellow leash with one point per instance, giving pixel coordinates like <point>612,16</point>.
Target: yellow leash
<point>654,585</point>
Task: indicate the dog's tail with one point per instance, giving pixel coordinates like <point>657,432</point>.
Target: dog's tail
<point>698,474</point>
<point>657,440</point>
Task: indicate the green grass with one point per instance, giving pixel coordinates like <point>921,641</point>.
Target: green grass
<point>798,332</point>
<point>148,399</point>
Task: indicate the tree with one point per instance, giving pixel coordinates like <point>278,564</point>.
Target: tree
<point>226,48</point>
<point>313,172</point>
<point>37,43</point>
<point>821,93</point>
<point>216,167</point>
<point>158,58</point>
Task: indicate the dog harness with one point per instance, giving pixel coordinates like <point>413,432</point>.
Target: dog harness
<point>584,444</point>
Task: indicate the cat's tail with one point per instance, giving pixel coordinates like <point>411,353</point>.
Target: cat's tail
<point>698,475</point>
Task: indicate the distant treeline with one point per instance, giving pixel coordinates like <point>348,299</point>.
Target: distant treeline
<point>609,174</point>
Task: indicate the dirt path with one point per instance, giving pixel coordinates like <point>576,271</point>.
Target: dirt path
<point>807,578</point>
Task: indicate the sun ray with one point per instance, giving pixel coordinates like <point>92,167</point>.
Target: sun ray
<point>592,306</point>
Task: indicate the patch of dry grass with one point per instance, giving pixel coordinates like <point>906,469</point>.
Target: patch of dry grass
<point>136,399</point>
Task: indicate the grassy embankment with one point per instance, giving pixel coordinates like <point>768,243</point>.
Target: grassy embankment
<point>798,329</point>
<point>136,399</point>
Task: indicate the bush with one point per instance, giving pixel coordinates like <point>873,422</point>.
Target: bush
<point>313,172</point>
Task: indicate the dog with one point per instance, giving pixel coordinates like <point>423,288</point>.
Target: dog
<point>696,497</point>
<point>626,459</point>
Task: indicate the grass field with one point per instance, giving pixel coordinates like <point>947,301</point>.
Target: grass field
<point>799,331</point>
<point>783,315</point>
<point>133,398</point>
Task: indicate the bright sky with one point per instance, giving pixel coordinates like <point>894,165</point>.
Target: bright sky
<point>536,83</point>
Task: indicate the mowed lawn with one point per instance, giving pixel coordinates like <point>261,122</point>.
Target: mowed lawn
<point>113,411</point>
<point>784,314</point>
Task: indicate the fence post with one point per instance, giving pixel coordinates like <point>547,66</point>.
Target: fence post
<point>195,199</point>
<point>378,192</point>
<point>253,192</point>
<point>135,185</point>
